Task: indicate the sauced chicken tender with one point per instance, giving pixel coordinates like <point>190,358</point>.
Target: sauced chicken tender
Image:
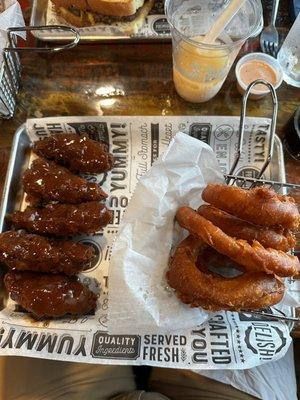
<point>63,219</point>
<point>45,181</point>
<point>26,252</point>
<point>78,153</point>
<point>49,295</point>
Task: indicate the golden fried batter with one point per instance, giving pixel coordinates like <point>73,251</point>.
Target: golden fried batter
<point>213,292</point>
<point>261,206</point>
<point>253,257</point>
<point>279,239</point>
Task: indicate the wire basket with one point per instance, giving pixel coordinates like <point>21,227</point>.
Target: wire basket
<point>272,313</point>
<point>10,70</point>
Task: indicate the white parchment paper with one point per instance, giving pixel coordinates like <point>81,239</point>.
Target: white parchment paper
<point>271,381</point>
<point>11,17</point>
<point>138,288</point>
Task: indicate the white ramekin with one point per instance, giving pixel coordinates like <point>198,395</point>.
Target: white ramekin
<point>272,62</point>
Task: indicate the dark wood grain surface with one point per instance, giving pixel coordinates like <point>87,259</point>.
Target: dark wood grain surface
<point>131,79</point>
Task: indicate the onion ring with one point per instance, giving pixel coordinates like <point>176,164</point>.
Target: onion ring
<point>213,292</point>
<point>261,206</point>
<point>278,239</point>
<point>253,257</point>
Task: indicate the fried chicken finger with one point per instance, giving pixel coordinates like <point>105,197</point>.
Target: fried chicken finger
<point>63,219</point>
<point>78,153</point>
<point>26,252</point>
<point>49,295</point>
<point>45,181</point>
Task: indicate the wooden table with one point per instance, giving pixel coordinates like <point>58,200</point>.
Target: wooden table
<point>132,79</point>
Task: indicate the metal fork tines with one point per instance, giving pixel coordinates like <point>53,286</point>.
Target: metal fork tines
<point>269,38</point>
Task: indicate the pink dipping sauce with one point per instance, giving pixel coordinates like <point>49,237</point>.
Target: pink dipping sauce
<point>257,69</point>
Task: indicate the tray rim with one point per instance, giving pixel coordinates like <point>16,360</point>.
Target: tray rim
<point>9,173</point>
<point>21,130</point>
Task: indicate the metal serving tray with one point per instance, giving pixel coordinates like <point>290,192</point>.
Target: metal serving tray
<point>18,162</point>
<point>155,29</point>
<point>13,193</point>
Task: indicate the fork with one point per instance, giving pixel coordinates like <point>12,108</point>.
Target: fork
<point>269,38</point>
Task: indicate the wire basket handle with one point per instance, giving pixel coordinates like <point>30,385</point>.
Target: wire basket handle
<point>11,75</point>
<point>277,315</point>
<point>12,32</point>
<point>242,126</point>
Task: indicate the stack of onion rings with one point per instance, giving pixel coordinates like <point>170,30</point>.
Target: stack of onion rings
<point>231,233</point>
<point>261,206</point>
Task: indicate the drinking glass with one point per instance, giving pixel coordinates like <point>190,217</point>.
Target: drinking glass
<point>289,55</point>
<point>199,70</point>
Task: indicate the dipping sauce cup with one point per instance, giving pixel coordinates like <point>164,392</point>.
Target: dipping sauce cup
<point>255,66</point>
<point>199,70</point>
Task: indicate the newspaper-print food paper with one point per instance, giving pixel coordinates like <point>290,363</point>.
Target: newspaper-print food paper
<point>227,340</point>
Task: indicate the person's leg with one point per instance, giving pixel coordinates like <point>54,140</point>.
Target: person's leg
<point>141,395</point>
<point>182,384</point>
<point>38,379</point>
